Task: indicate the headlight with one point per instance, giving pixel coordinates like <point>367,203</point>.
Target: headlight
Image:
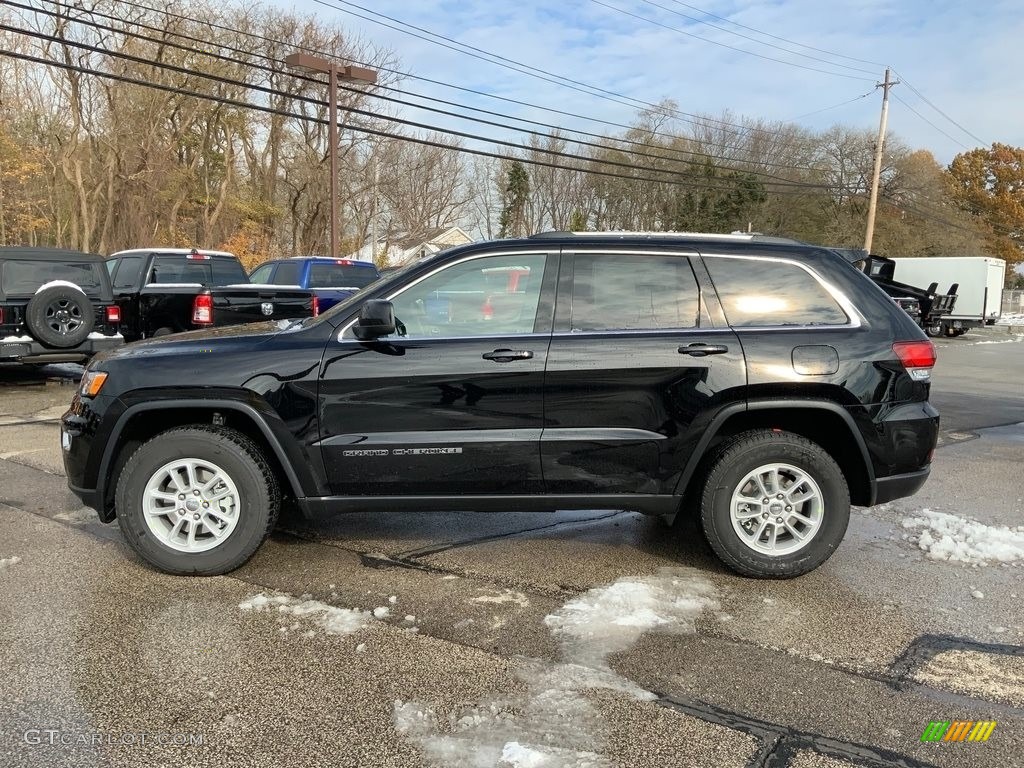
<point>92,383</point>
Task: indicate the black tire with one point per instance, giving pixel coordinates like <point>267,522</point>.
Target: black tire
<point>739,457</point>
<point>60,316</point>
<point>241,460</point>
<point>933,331</point>
<point>165,331</point>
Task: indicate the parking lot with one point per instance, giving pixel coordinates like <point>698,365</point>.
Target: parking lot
<point>574,639</point>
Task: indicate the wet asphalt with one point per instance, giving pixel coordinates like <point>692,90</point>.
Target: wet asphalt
<point>104,662</point>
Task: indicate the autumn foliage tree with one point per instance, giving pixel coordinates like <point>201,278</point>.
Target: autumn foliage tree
<point>989,185</point>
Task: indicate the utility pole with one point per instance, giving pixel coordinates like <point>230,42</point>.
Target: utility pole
<point>335,73</point>
<point>879,146</point>
<point>373,220</point>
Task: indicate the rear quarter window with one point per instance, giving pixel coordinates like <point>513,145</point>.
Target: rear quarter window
<point>762,292</point>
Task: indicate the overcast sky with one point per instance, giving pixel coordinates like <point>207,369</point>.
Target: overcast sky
<point>957,54</point>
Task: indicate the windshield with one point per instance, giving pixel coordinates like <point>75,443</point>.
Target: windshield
<point>27,276</point>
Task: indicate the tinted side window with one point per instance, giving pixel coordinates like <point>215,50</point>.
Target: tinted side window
<point>494,295</point>
<point>613,292</point>
<point>127,272</point>
<point>762,292</point>
<point>287,273</point>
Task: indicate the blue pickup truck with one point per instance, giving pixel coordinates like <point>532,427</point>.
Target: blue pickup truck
<point>330,280</point>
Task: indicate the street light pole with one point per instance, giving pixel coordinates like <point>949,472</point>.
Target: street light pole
<point>335,72</point>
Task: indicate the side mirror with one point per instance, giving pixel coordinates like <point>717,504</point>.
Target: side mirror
<point>376,319</point>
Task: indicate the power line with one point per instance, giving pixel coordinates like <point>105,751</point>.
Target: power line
<point>923,98</point>
<point>773,37</point>
<point>834,106</point>
<point>357,128</point>
<point>725,45</point>
<point>163,41</point>
<point>753,39</point>
<point>686,117</point>
<point>479,53</point>
<point>777,181</point>
<point>933,125</point>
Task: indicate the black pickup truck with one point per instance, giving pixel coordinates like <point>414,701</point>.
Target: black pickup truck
<point>170,290</point>
<point>925,305</point>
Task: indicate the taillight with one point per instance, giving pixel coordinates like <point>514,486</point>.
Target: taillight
<point>202,309</point>
<point>487,310</point>
<point>114,314</point>
<point>316,306</point>
<point>918,357</point>
<point>1,315</point>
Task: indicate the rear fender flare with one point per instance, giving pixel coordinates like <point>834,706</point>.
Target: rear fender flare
<point>728,411</point>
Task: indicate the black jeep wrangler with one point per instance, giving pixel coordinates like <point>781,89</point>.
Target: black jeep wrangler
<point>55,306</point>
<point>760,384</point>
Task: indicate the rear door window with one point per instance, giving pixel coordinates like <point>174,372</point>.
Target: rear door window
<point>631,292</point>
<point>759,293</point>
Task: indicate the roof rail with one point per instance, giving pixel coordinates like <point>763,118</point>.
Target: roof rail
<point>735,237</point>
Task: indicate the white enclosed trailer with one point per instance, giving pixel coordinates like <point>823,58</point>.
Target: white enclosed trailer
<point>979,281</point>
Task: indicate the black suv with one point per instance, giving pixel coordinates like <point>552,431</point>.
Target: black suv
<point>760,384</point>
<point>55,306</point>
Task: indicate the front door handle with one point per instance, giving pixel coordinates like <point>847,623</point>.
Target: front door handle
<point>508,355</point>
<point>701,350</point>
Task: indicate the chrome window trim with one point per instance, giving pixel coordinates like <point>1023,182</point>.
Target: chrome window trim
<point>853,316</point>
<point>546,253</point>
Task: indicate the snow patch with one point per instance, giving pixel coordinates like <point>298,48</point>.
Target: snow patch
<point>61,283</point>
<point>957,539</point>
<point>9,561</point>
<point>333,621</point>
<point>554,725</point>
<point>17,340</point>
<point>94,336</point>
<point>380,613</point>
<point>505,596</point>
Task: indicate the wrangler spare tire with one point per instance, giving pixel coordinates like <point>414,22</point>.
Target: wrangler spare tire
<point>60,316</point>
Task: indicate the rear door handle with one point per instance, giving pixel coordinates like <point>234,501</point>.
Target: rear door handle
<point>508,355</point>
<point>701,350</point>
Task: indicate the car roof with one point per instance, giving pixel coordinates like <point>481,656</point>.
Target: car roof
<point>47,254</point>
<point>718,237</point>
<point>173,252</point>
<point>349,262</point>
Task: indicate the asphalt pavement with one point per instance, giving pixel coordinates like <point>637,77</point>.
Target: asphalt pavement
<point>518,640</point>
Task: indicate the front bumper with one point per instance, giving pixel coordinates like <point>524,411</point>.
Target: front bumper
<point>24,349</point>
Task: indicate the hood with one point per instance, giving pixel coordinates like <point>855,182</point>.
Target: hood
<point>249,335</point>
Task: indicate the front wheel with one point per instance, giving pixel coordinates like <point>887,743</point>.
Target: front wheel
<point>197,500</point>
<point>774,504</point>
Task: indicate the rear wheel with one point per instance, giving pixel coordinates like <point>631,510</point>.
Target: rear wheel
<point>197,500</point>
<point>774,504</point>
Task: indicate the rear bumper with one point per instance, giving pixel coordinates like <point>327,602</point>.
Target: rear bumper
<point>899,486</point>
<point>27,350</point>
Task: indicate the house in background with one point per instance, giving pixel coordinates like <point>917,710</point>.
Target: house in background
<point>403,248</point>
